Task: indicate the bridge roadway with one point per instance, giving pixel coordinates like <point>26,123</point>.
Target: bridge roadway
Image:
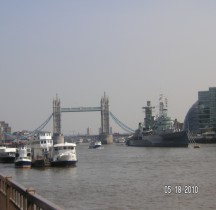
<point>81,109</point>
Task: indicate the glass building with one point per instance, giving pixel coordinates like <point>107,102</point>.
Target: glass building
<point>191,121</point>
<point>203,109</point>
<point>202,115</point>
<point>212,107</point>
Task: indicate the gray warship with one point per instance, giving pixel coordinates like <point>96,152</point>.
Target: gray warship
<point>159,131</point>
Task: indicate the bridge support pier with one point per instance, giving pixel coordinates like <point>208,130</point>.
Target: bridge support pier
<point>106,138</point>
<point>58,138</point>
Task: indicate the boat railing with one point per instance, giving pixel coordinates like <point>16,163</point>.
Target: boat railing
<point>190,137</point>
<point>13,196</point>
<point>192,140</point>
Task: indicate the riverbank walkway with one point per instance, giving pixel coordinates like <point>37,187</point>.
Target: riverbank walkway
<point>13,196</point>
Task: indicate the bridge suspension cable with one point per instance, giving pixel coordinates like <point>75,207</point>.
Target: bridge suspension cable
<point>121,124</point>
<point>39,128</point>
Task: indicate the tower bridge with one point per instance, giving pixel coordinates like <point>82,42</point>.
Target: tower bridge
<point>105,135</point>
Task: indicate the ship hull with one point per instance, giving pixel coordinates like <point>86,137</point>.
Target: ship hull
<point>41,163</point>
<point>65,163</point>
<point>23,164</point>
<point>94,146</point>
<point>7,159</point>
<point>176,139</point>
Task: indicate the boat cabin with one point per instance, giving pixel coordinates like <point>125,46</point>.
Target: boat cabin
<point>62,148</point>
<point>41,145</point>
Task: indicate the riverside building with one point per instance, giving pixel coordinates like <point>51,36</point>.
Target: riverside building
<point>201,117</point>
<point>5,129</point>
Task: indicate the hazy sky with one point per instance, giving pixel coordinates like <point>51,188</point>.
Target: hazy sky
<point>132,50</point>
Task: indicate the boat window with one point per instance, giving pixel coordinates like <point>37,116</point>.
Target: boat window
<point>56,148</point>
<point>64,147</point>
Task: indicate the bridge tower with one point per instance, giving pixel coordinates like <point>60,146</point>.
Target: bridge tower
<point>105,136</point>
<point>57,136</point>
<point>104,115</point>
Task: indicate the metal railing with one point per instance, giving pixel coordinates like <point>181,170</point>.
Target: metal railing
<point>13,196</point>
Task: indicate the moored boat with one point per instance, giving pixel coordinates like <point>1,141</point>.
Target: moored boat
<point>63,154</point>
<point>161,131</point>
<point>23,159</point>
<point>7,154</point>
<point>40,149</point>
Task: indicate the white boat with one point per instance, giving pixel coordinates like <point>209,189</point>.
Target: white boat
<point>7,154</point>
<point>95,144</point>
<point>63,154</point>
<point>23,159</point>
<point>121,141</point>
<point>40,148</point>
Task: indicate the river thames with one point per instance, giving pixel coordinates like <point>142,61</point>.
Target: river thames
<point>128,178</point>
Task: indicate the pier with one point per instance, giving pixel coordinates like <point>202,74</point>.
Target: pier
<point>13,196</point>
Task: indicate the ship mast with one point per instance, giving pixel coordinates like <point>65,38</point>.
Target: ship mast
<point>149,119</point>
<point>163,107</point>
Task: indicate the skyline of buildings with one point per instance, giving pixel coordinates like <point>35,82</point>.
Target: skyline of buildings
<point>200,117</point>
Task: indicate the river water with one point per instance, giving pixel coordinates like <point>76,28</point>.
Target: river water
<point>128,178</point>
